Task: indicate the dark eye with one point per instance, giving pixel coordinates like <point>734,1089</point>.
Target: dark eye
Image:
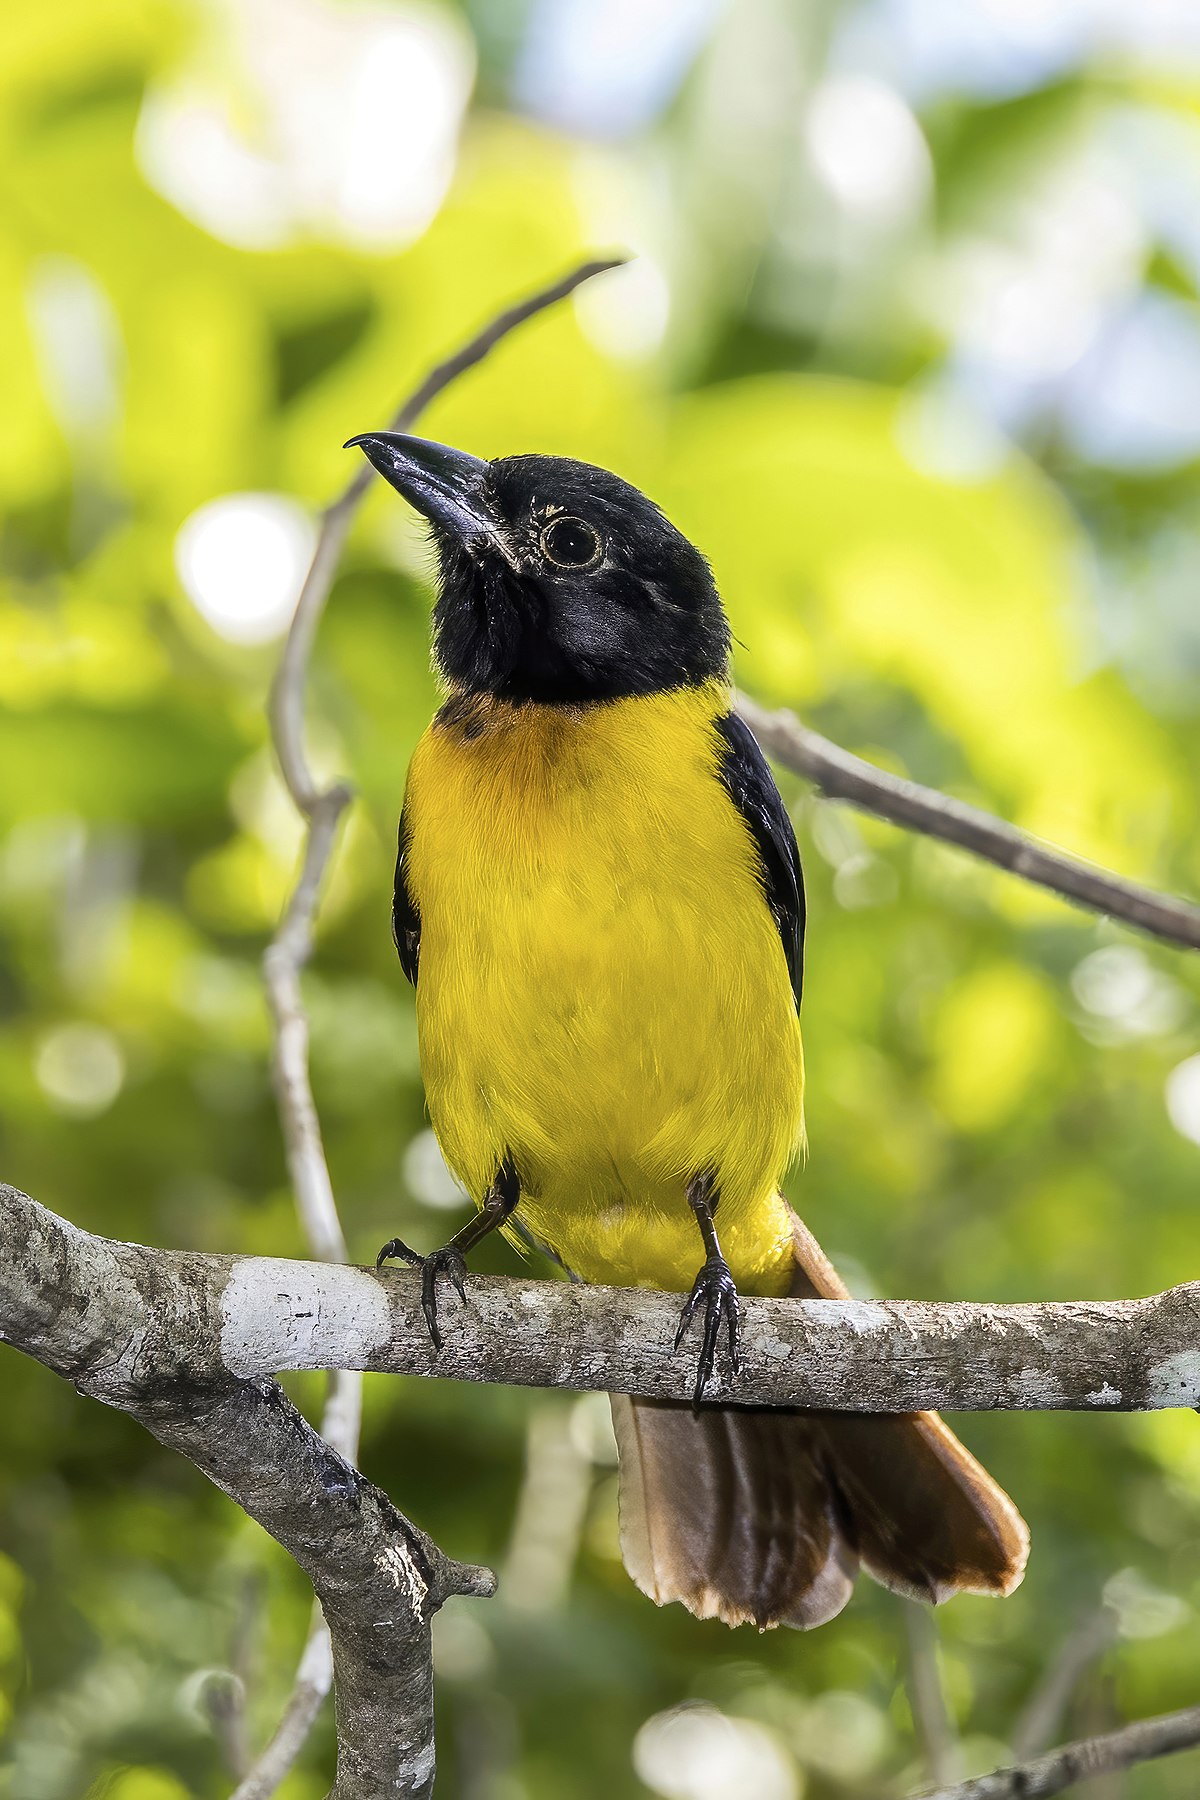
<point>571,544</point>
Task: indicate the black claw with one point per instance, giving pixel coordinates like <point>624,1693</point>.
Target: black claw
<point>688,1312</point>
<point>732,1309</point>
<point>396,1247</point>
<point>448,1261</point>
<point>714,1289</point>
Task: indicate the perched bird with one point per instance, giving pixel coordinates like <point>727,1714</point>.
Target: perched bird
<point>599,901</point>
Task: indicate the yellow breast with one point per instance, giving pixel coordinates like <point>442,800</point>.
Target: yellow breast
<point>602,991</point>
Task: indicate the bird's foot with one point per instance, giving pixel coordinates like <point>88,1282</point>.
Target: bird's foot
<point>447,1261</point>
<point>713,1289</point>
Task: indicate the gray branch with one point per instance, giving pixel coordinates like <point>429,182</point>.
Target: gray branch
<point>856,1355</point>
<point>1060,1769</point>
<point>141,1330</point>
<point>842,776</point>
<point>245,1318</point>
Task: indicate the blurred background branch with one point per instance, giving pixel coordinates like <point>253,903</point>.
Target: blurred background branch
<point>1041,1717</point>
<point>932,1718</point>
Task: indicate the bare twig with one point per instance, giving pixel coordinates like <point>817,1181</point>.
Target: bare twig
<point>223,1701</point>
<point>1081,1761</point>
<point>842,776</point>
<point>1042,1715</point>
<point>290,949</point>
<point>932,1722</point>
<point>314,1678</point>
<point>550,1514</point>
<point>224,1694</point>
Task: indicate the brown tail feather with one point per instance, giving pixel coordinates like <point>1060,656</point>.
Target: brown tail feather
<point>730,1512</point>
<point>762,1515</point>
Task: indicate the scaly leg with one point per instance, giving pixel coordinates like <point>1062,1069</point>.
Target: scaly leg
<point>713,1288</point>
<point>499,1201</point>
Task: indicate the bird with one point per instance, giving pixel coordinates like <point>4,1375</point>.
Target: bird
<point>600,904</point>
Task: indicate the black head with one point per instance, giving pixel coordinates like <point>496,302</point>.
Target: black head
<point>559,582</point>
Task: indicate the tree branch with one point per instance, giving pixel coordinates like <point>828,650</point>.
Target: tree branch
<point>141,1330</point>
<point>841,776</point>
<point>1062,1768</point>
<point>251,1316</point>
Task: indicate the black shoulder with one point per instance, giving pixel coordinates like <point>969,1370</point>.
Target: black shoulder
<point>751,786</point>
<point>406,920</point>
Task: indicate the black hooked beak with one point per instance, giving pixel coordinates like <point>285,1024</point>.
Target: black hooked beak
<point>448,486</point>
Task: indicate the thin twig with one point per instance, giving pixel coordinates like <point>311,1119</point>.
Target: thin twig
<point>225,1691</point>
<point>932,1722</point>
<point>550,1514</point>
<point>1041,1717</point>
<point>842,776</point>
<point>224,1703</point>
<point>314,1677</point>
<point>291,947</point>
<point>1062,1768</point>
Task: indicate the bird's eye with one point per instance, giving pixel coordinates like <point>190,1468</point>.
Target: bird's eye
<point>571,544</point>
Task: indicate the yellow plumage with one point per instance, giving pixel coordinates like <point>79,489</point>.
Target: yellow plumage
<point>603,991</point>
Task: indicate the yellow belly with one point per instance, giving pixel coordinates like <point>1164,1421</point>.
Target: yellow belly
<point>603,993</point>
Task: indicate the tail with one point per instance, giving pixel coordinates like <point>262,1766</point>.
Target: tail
<point>763,1515</point>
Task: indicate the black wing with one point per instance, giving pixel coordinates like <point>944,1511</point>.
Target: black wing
<point>406,920</point>
<point>751,786</point>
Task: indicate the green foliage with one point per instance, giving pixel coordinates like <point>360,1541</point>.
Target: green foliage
<point>987,1066</point>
